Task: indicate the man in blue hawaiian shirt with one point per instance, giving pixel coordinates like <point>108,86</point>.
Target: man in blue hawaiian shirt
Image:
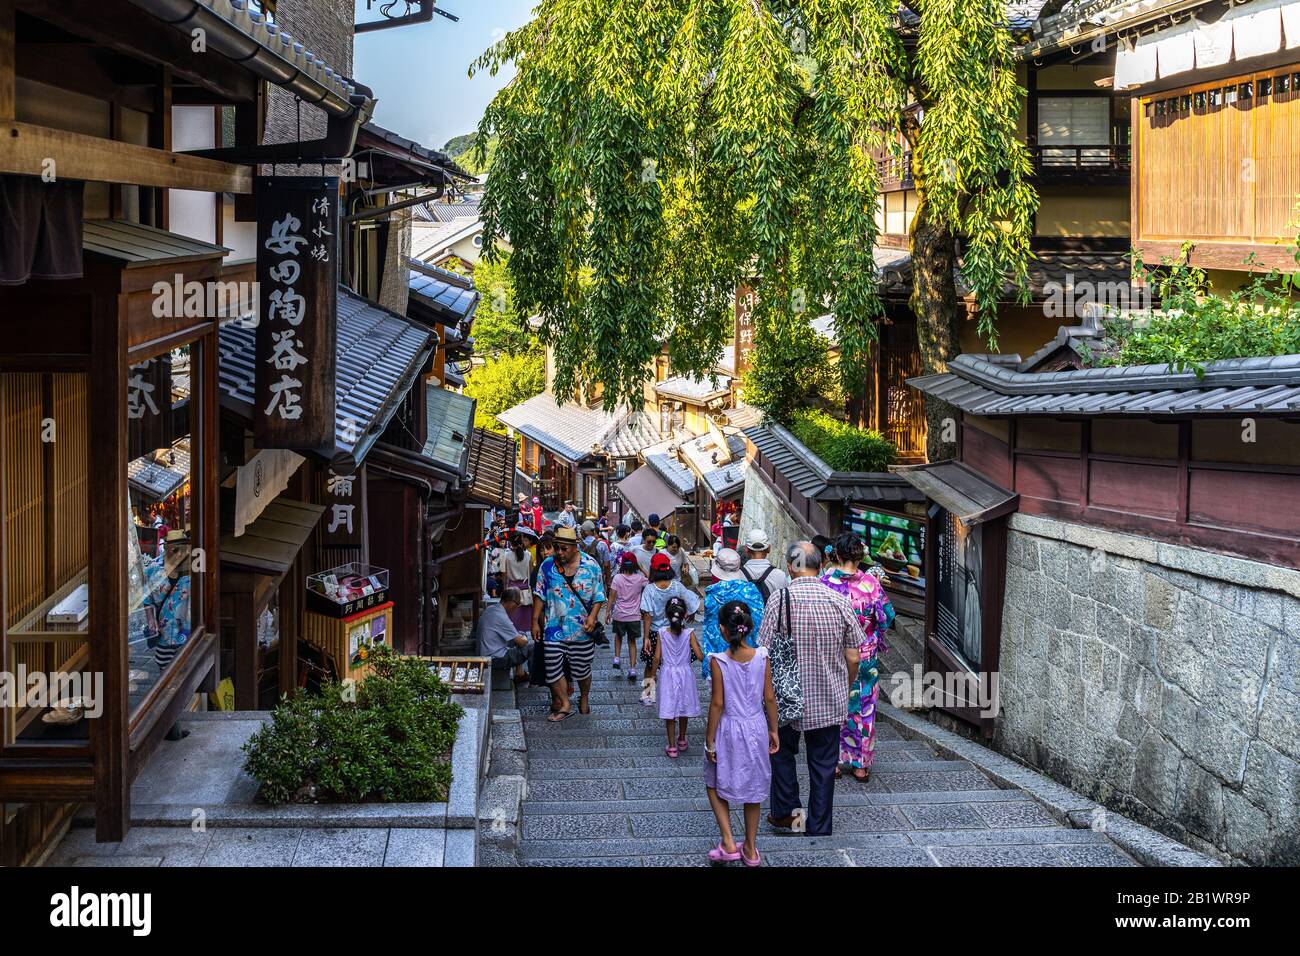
<point>570,592</point>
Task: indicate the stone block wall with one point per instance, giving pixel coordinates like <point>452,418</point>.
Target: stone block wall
<point>1160,680</point>
<point>762,508</point>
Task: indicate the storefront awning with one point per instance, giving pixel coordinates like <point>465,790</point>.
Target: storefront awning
<point>646,492</point>
<point>967,494</point>
<point>270,543</point>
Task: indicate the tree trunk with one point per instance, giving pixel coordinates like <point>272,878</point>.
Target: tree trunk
<point>938,315</point>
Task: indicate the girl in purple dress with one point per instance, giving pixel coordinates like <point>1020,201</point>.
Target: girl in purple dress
<point>679,698</point>
<point>741,734</point>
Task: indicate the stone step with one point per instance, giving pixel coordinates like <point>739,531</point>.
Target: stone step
<point>586,724</point>
<point>552,760</point>
<point>1009,804</point>
<point>967,843</point>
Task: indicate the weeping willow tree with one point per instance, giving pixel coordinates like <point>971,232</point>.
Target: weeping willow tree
<point>652,155</point>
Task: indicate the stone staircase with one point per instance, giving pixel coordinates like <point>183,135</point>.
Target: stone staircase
<point>598,790</point>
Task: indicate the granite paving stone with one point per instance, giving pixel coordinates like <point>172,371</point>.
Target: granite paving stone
<point>1019,814</point>
<point>415,846</point>
<point>252,846</point>
<point>340,847</point>
<point>944,816</point>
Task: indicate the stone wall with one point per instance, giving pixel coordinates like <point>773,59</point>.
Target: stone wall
<point>762,508</point>
<point>1159,680</point>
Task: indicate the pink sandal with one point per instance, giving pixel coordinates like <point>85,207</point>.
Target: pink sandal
<point>681,745</point>
<point>719,855</point>
<point>671,751</point>
<point>756,861</point>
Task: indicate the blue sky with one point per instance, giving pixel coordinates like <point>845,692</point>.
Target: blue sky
<point>419,73</point>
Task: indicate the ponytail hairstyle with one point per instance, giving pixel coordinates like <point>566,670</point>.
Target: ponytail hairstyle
<point>737,623</point>
<point>849,548</point>
<point>675,611</point>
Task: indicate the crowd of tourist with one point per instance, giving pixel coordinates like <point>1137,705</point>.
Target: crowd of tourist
<point>789,653</point>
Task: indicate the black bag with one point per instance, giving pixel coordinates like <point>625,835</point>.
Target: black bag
<point>537,666</point>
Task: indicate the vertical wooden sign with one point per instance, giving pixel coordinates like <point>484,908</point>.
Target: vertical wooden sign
<point>297,244</point>
<point>744,330</point>
<point>343,524</point>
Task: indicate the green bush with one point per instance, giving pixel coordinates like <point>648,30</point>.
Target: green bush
<point>1262,318</point>
<point>842,446</point>
<point>392,743</point>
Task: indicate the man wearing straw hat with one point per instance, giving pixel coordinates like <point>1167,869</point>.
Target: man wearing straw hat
<point>569,594</point>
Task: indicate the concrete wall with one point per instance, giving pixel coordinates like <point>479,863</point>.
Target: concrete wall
<point>1162,681</point>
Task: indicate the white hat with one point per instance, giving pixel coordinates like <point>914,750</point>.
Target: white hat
<point>757,540</point>
<point>726,565</point>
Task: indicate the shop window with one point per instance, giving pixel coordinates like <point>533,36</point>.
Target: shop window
<point>50,695</point>
<point>165,551</point>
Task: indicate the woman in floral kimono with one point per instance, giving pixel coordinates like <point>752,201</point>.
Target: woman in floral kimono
<point>875,615</point>
<point>169,594</point>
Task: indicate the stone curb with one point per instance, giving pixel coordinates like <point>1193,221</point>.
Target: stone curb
<point>1145,845</point>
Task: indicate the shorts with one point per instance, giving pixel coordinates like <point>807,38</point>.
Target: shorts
<point>628,630</point>
<point>569,658</point>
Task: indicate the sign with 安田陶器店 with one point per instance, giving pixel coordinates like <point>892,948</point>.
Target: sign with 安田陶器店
<point>297,244</point>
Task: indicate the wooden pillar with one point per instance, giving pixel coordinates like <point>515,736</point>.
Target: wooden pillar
<point>245,643</point>
<point>108,580</point>
<point>291,611</point>
<point>160,137</point>
<point>8,62</point>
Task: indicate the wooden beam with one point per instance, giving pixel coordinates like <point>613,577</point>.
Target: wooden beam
<point>160,137</point>
<point>24,147</point>
<point>120,26</point>
<point>81,68</point>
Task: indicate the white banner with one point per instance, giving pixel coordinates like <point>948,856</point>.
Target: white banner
<point>259,482</point>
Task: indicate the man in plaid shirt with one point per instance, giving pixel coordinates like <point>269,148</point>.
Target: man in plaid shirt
<point>826,637</point>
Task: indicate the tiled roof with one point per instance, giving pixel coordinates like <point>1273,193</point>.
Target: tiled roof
<point>568,430</point>
<point>449,421</point>
<point>697,390</point>
<point>432,156</point>
<point>379,356</point>
<point>447,211</point>
<point>662,459</point>
<point>995,385</point>
<point>744,416</point>
<point>448,295</point>
<point>637,430</point>
<point>721,478</point>
<point>815,479</point>
<point>428,241</point>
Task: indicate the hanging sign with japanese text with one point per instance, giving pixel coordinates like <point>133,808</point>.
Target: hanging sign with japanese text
<point>297,244</point>
<point>343,524</point>
<point>744,330</point>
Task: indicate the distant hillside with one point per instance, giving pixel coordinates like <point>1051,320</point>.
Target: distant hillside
<point>461,149</point>
<point>457,146</point>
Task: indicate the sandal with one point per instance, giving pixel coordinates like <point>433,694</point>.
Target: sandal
<point>671,751</point>
<point>756,861</point>
<point>681,745</point>
<point>862,774</point>
<point>631,675</point>
<point>559,715</point>
<point>719,855</point>
<point>838,773</point>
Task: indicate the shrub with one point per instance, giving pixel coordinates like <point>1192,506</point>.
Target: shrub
<point>1261,318</point>
<point>391,743</point>
<point>841,445</point>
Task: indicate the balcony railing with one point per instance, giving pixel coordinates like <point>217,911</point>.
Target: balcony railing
<point>1082,163</point>
<point>895,172</point>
